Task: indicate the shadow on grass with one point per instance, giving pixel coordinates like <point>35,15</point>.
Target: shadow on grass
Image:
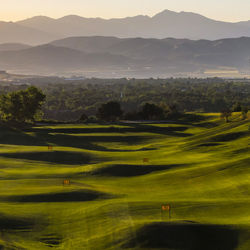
<point>229,136</point>
<point>58,157</point>
<point>184,236</point>
<point>120,170</point>
<point>206,125</point>
<point>51,240</point>
<point>131,128</point>
<point>15,137</point>
<point>42,136</point>
<point>177,131</point>
<point>241,151</point>
<point>87,142</point>
<point>12,223</point>
<point>209,144</point>
<point>192,117</point>
<point>74,196</point>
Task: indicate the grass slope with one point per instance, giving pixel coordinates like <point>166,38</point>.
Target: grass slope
<point>114,198</point>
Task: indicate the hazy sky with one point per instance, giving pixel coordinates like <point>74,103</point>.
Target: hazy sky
<point>228,10</point>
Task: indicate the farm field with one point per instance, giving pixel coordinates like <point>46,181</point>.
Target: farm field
<point>180,185</point>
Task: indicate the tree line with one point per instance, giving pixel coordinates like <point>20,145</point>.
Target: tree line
<point>67,101</point>
<point>151,99</point>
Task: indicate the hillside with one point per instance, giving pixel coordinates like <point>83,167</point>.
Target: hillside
<point>42,29</point>
<point>103,186</point>
<point>132,57</point>
<point>186,25</point>
<point>155,48</point>
<point>50,59</point>
<point>13,46</point>
<point>15,33</point>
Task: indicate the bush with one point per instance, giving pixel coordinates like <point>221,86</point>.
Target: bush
<point>83,118</point>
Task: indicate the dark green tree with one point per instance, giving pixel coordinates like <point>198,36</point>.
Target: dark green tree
<point>225,114</point>
<point>110,111</point>
<point>83,118</point>
<point>237,107</point>
<point>244,113</point>
<point>151,111</point>
<point>21,106</point>
<point>11,107</point>
<point>33,99</point>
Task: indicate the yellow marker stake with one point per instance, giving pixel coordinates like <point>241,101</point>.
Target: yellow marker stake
<point>165,208</point>
<point>66,182</point>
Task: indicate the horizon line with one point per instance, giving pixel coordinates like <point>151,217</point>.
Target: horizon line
<point>124,17</point>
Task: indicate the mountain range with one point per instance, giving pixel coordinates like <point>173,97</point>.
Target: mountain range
<point>131,57</point>
<point>41,29</point>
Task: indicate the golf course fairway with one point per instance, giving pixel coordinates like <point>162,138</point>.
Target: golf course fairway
<point>176,185</point>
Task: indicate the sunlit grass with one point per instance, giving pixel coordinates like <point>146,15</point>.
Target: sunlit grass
<point>205,176</point>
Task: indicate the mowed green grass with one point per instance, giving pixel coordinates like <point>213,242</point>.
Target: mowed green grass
<point>201,169</point>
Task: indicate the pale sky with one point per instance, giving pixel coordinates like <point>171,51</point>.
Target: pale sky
<point>225,10</point>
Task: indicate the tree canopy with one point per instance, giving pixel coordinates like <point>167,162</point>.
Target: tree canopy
<point>151,111</point>
<point>110,111</point>
<point>22,105</point>
<point>68,100</point>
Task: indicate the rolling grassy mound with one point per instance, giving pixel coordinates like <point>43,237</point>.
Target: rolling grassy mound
<point>184,236</point>
<point>103,186</point>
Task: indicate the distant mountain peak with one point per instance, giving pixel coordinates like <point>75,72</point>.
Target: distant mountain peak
<point>194,15</point>
<point>71,18</point>
<point>41,17</point>
<point>164,24</point>
<point>170,14</point>
<point>37,19</point>
<point>164,13</point>
<point>138,17</point>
